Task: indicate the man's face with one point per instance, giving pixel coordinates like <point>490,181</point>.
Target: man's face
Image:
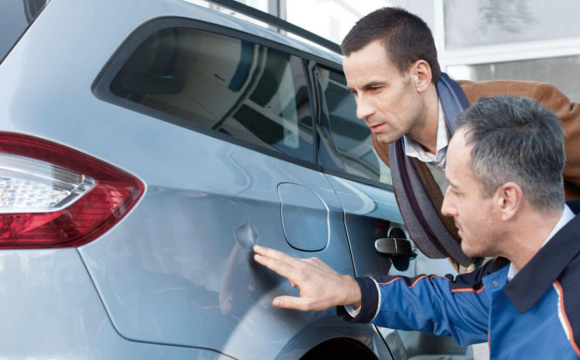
<point>386,100</point>
<point>474,215</point>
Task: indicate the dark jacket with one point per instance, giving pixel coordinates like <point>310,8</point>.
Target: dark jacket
<point>534,316</point>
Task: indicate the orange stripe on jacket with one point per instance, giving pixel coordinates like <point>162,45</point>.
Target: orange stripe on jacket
<point>416,281</point>
<point>567,322</point>
<point>468,290</point>
<point>395,279</point>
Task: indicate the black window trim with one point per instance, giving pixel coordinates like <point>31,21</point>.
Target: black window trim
<point>313,108</point>
<point>322,120</point>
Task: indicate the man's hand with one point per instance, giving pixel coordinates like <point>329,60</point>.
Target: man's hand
<point>320,286</point>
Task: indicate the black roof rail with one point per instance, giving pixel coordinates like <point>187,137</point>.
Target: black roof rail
<point>279,23</point>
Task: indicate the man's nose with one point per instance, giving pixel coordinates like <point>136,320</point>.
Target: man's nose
<point>364,109</point>
<point>448,208</point>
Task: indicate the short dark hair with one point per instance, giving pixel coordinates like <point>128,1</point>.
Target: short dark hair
<point>516,139</point>
<point>405,36</point>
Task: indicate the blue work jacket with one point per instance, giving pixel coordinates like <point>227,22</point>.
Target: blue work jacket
<point>536,315</point>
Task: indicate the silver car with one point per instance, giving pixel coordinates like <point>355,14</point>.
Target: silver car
<point>145,147</point>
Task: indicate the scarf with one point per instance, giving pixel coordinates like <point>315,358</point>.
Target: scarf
<point>422,217</point>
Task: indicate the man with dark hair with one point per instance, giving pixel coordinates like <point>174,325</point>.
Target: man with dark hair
<point>505,195</point>
<point>405,37</point>
<point>409,105</point>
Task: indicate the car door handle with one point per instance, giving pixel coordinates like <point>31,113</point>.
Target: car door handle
<point>393,246</point>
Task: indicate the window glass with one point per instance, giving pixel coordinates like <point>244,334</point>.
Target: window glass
<point>351,136</point>
<point>490,22</point>
<point>555,71</point>
<point>15,16</point>
<point>232,86</point>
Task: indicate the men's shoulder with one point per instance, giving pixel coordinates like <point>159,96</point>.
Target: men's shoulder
<point>477,89</point>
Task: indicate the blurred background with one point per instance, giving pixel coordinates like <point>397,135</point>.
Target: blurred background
<point>477,39</point>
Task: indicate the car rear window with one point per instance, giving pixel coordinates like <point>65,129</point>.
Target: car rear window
<point>239,88</point>
<point>15,17</point>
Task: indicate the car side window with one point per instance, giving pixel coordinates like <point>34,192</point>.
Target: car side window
<point>351,136</point>
<point>236,87</point>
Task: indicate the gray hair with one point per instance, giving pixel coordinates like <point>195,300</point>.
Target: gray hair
<point>516,139</point>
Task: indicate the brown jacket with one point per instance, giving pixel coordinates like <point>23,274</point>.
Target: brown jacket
<point>550,97</point>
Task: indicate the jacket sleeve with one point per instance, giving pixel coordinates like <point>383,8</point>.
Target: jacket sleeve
<point>448,306</point>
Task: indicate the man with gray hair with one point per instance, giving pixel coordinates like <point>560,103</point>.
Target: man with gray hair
<point>504,168</point>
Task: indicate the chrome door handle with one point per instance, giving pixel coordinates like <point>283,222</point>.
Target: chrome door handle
<point>393,246</point>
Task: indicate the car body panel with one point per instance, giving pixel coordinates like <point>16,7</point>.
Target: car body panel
<point>168,270</point>
<point>51,309</point>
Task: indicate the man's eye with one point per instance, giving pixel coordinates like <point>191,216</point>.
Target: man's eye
<point>376,88</point>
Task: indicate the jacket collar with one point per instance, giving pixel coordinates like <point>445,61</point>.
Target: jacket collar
<point>532,282</point>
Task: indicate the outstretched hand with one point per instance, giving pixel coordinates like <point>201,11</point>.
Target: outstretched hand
<point>320,286</point>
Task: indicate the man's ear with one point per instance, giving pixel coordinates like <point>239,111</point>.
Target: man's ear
<point>508,200</point>
<point>422,75</point>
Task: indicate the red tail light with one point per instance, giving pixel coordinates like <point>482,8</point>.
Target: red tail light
<point>52,196</point>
